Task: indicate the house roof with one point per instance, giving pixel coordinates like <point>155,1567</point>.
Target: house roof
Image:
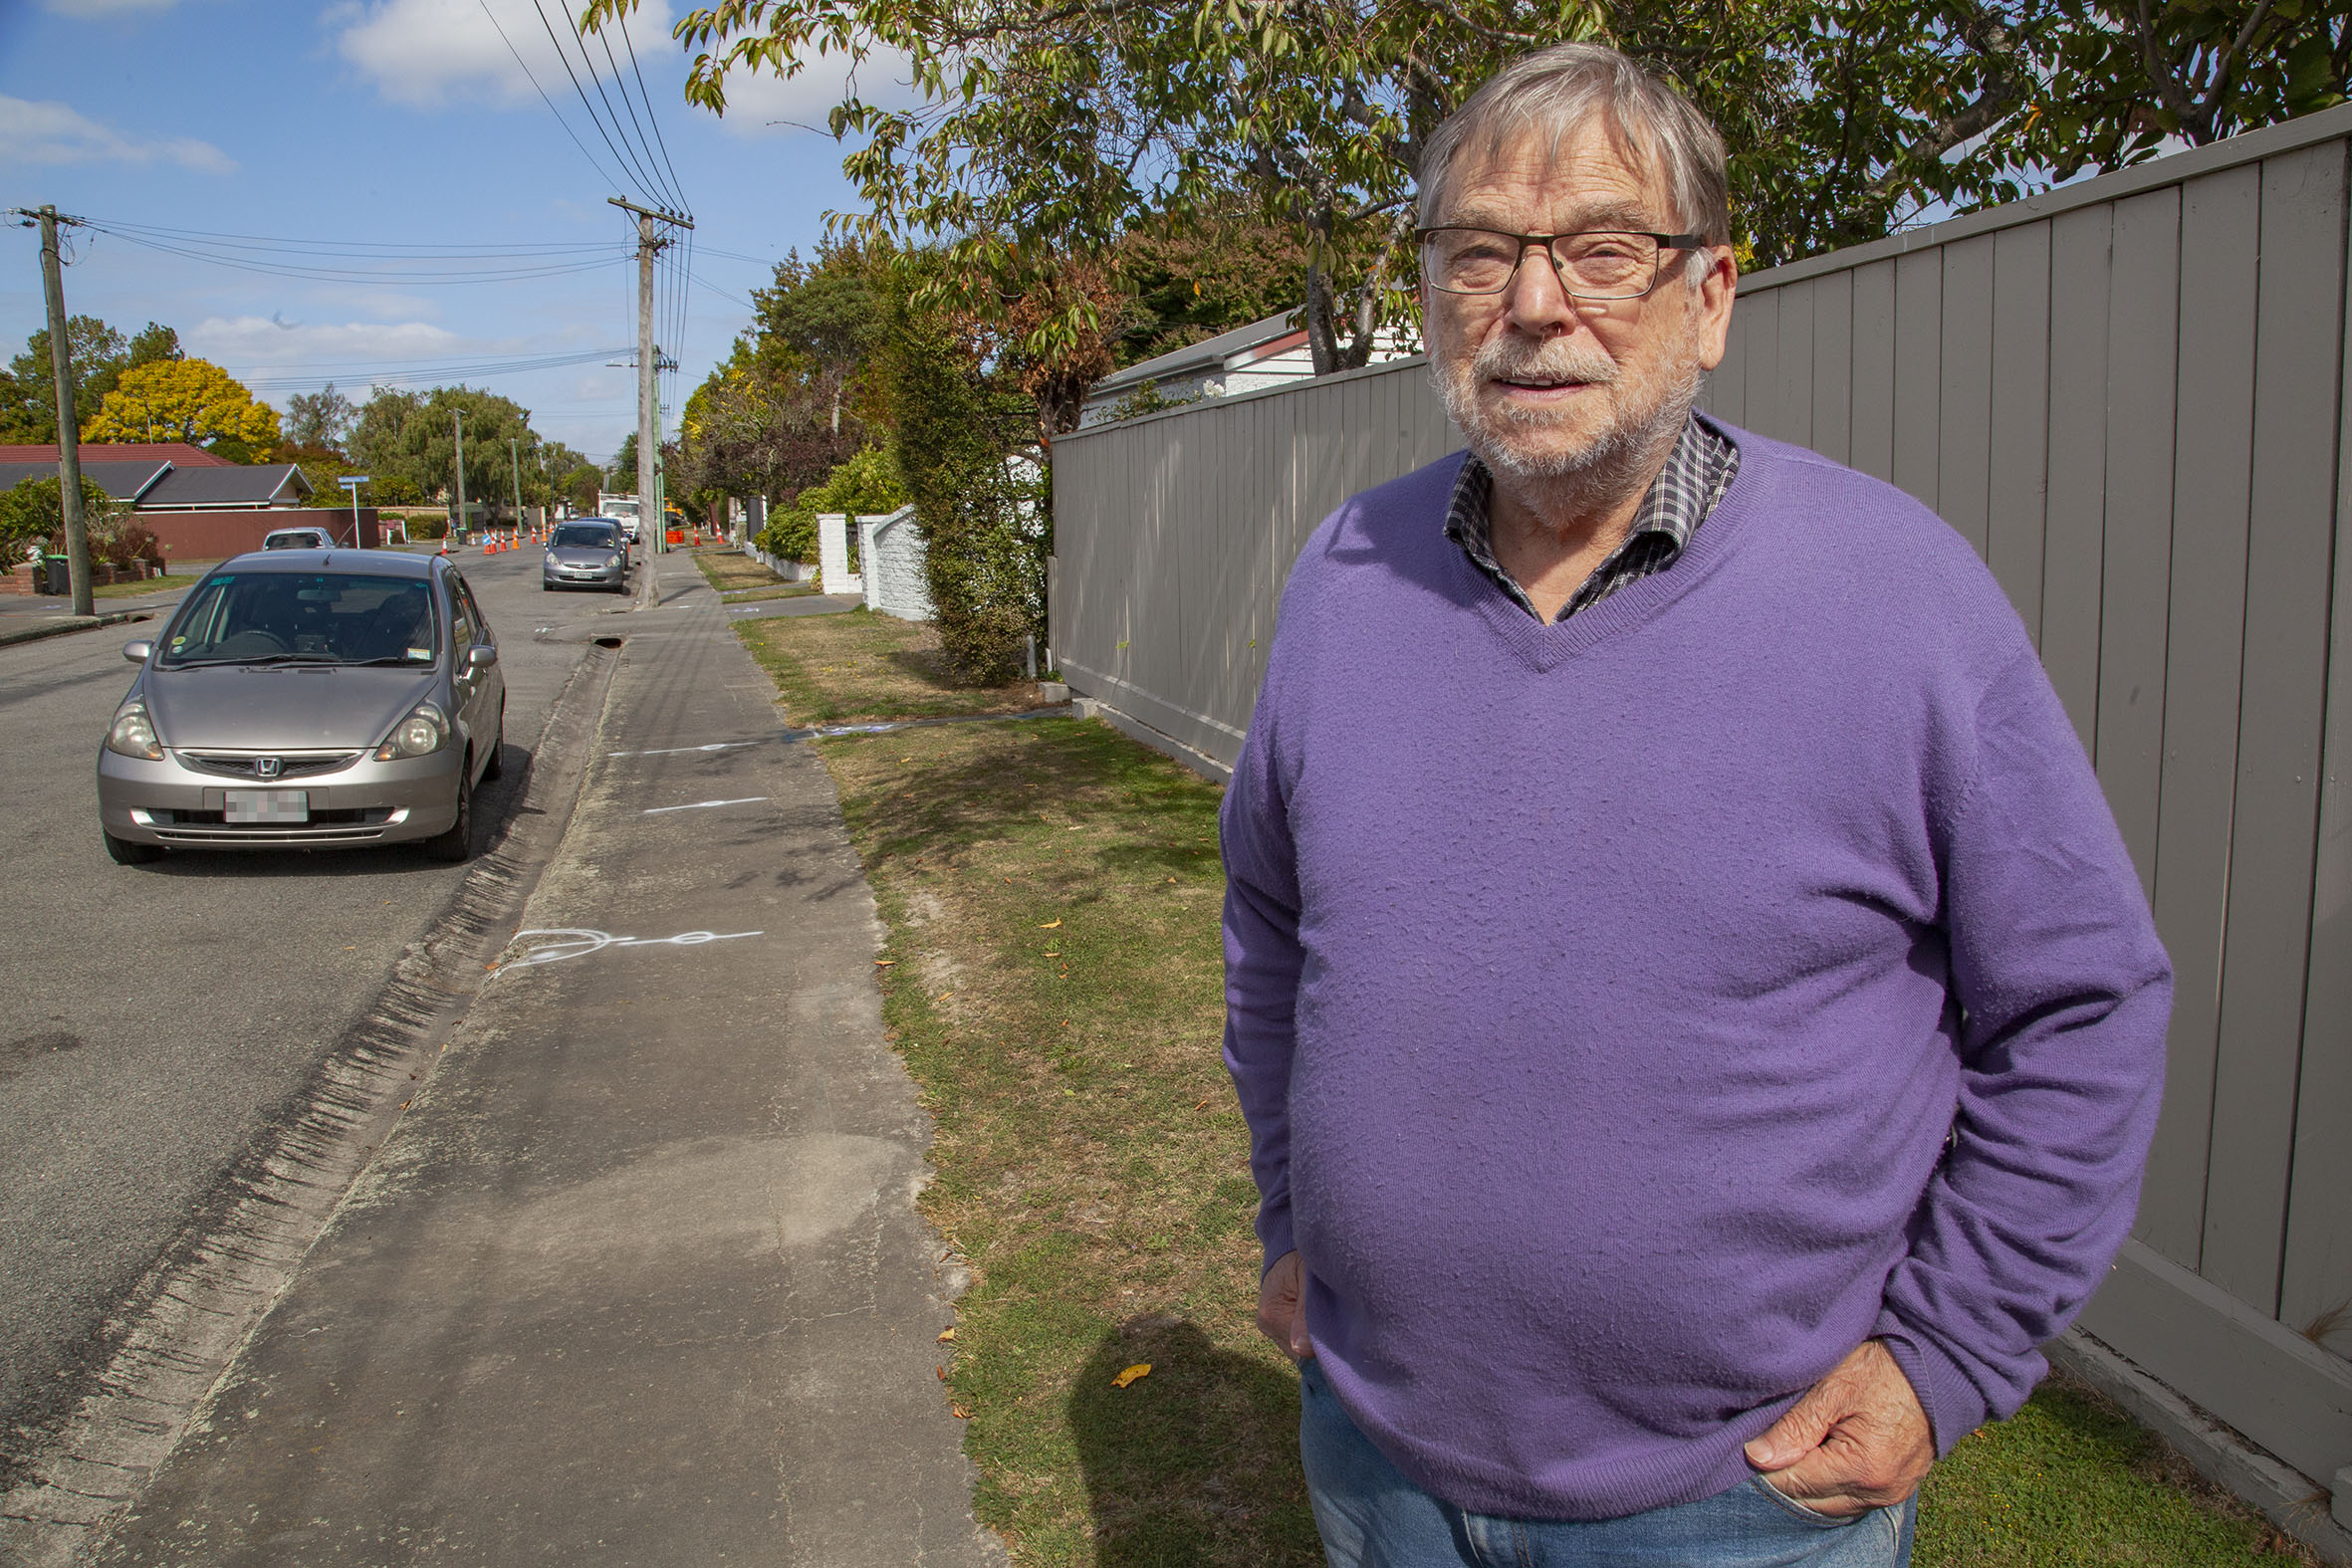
<point>122,480</point>
<point>230,484</point>
<point>180,454</point>
<point>1241,343</point>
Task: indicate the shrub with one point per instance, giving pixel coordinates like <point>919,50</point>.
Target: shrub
<point>427,528</point>
<point>980,497</point>
<point>33,514</point>
<point>868,484</point>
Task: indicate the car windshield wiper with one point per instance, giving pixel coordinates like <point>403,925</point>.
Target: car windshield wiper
<point>399,659</point>
<point>294,658</point>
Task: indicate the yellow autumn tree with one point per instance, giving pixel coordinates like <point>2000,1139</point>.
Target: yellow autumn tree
<point>182,400</point>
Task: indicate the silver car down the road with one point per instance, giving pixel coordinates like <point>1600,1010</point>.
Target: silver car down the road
<point>587,553</point>
<point>308,698</point>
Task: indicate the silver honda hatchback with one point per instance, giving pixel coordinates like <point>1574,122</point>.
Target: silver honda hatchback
<point>308,698</point>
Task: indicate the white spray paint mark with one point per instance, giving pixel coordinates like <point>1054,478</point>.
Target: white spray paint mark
<point>701,806</point>
<point>578,941</point>
<point>679,750</point>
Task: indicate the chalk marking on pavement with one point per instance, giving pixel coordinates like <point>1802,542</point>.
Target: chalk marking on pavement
<point>700,805</point>
<point>578,941</point>
<point>677,751</point>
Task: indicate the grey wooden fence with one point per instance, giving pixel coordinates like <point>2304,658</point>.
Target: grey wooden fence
<point>2130,395</point>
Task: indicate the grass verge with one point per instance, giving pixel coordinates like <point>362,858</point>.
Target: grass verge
<point>1050,891</point>
<point>727,569</point>
<point>833,669</point>
<point>788,590</point>
<point>169,583</point>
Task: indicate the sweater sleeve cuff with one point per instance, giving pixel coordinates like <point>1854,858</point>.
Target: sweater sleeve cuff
<point>1274,1230</point>
<point>1955,1407</point>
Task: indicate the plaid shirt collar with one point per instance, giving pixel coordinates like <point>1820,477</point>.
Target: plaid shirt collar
<point>1697,473</point>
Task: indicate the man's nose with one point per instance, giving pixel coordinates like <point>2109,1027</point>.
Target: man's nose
<point>1537,302</point>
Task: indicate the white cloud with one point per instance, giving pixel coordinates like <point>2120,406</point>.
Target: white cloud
<point>262,342</point>
<point>52,132</point>
<point>430,52</point>
<point>92,9</point>
<point>763,103</point>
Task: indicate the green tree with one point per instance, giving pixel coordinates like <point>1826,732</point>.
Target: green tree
<point>33,512</point>
<point>412,439</point>
<point>320,419</point>
<point>868,484</point>
<point>28,398</point>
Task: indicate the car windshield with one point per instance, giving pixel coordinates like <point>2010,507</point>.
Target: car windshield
<point>583,536</point>
<point>293,617</point>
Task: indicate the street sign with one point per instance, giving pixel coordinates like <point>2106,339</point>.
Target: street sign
<point>352,481</point>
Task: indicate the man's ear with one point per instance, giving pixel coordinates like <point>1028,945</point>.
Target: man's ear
<point>1712,310</point>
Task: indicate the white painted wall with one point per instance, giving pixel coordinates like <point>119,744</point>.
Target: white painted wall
<point>891,555</point>
<point>833,556</point>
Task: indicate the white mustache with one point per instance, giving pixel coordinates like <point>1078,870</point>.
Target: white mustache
<point>1557,362</point>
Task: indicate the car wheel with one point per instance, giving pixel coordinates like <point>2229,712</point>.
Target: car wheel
<point>458,842</point>
<point>547,588</point>
<point>130,852</point>
<point>497,766</point>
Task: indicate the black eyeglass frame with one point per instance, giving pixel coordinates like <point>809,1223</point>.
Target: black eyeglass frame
<point>1664,242</point>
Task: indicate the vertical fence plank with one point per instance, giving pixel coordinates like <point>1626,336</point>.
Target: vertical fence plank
<point>2319,1271</point>
<point>1726,392</point>
<point>1919,374</point>
<point>2266,947</point>
<point>1792,393</point>
<point>1763,363</point>
<point>2074,518</point>
<point>2142,349</point>
<point>1964,396</point>
<point>1833,365</point>
<point>1874,396</point>
<point>2018,484</point>
<point>2219,234</point>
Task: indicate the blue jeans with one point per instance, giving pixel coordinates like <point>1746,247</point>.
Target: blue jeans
<point>1371,1517</point>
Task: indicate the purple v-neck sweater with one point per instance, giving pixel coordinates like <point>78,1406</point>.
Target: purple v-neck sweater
<point>1636,1013</point>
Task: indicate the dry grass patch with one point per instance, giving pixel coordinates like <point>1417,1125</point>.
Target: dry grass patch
<point>1053,890</point>
<point>833,669</point>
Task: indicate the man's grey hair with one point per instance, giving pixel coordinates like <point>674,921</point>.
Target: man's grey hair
<point>1554,92</point>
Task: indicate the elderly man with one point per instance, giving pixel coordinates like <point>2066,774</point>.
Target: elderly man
<point>1699,1026</point>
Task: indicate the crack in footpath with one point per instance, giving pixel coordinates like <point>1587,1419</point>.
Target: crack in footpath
<point>181,1330</point>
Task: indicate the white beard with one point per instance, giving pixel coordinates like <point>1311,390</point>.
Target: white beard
<point>1570,479</point>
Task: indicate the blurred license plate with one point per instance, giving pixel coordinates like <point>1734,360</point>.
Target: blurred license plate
<point>267,805</point>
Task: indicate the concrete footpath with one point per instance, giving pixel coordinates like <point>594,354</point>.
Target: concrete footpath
<point>638,1277</point>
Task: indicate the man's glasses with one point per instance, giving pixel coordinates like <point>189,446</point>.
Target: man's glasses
<point>1604,264</point>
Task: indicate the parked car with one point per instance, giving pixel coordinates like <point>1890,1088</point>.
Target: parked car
<point>309,699</point>
<point>296,539</point>
<point>588,552</point>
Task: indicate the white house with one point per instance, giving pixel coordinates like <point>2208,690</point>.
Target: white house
<point>1263,354</point>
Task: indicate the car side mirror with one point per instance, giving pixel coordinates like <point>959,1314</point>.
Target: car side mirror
<point>480,657</point>
<point>138,652</point>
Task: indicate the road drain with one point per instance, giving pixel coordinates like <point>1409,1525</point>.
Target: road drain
<point>608,642</point>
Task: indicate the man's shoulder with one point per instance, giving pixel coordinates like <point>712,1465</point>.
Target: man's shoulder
<point>1405,515</point>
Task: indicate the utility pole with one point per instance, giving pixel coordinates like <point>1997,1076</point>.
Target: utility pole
<point>649,245</point>
<point>69,432</point>
<point>460,413</point>
<point>514,450</point>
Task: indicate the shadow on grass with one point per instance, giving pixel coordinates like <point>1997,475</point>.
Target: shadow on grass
<point>1196,1463</point>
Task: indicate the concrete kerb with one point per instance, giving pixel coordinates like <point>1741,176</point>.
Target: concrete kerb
<point>66,623</point>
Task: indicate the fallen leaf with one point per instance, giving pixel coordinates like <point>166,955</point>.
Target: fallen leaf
<point>1050,925</point>
<point>942,996</point>
<point>1056,952</point>
<point>960,1412</point>
<point>945,1334</point>
<point>1204,1105</point>
<point>885,962</point>
<point>1141,1369</point>
<point>942,1371</point>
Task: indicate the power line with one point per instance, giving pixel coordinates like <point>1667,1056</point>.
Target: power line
<point>420,251</point>
<point>405,277</point>
<point>623,18</point>
<point>617,157</point>
<point>480,370</point>
<point>542,92</point>
<point>669,197</point>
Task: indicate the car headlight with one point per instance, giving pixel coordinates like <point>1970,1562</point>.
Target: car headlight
<point>133,734</point>
<point>426,729</point>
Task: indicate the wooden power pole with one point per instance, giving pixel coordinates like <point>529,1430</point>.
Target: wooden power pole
<point>651,522</point>
<point>69,431</point>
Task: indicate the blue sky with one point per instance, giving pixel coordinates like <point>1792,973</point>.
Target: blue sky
<point>373,124</point>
